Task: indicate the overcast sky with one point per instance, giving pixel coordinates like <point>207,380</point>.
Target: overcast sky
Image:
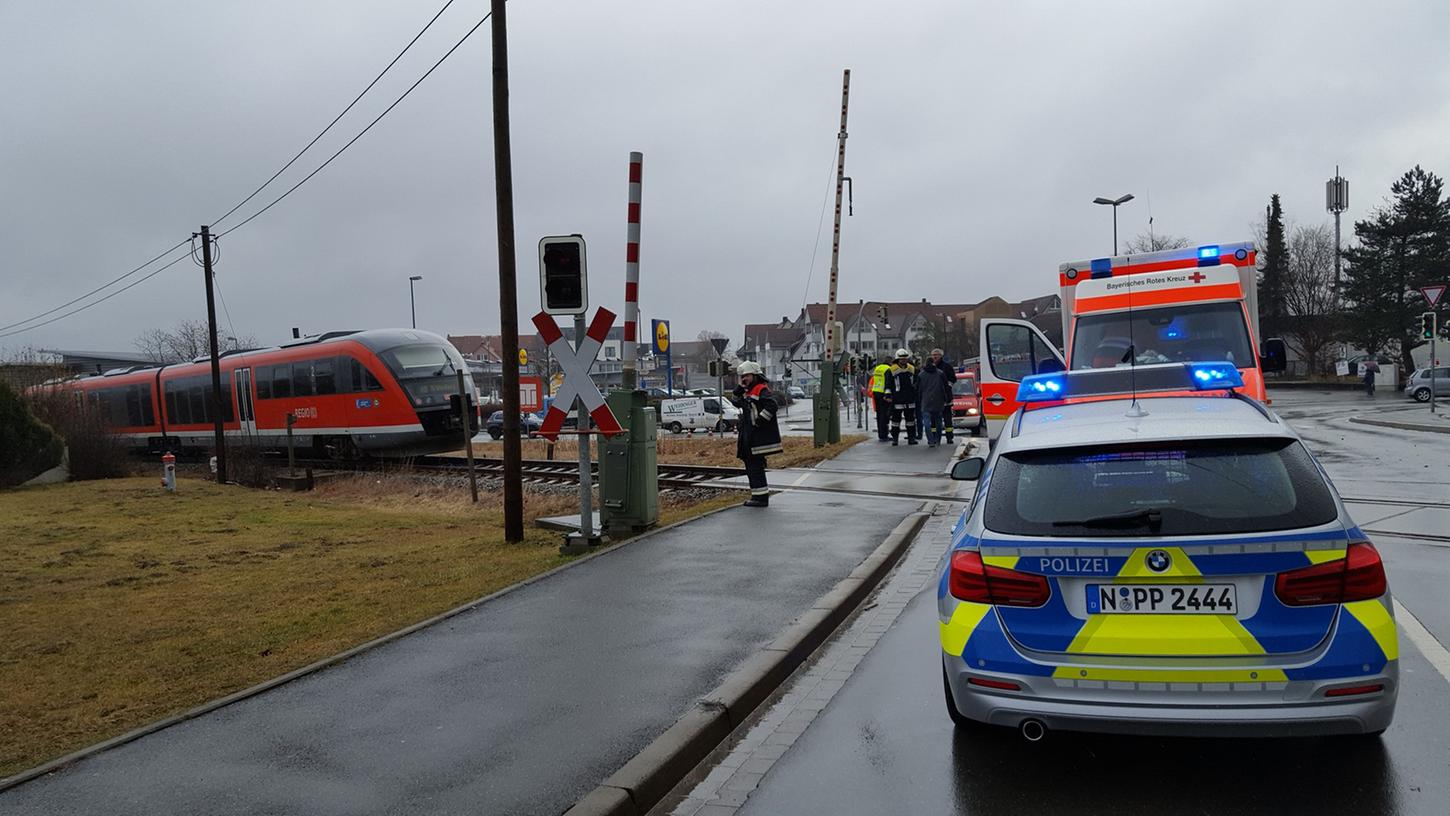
<point>979,133</point>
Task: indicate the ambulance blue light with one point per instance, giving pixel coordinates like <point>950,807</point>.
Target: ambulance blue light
<point>1216,375</point>
<point>1208,251</point>
<point>1102,268</point>
<point>1042,387</point>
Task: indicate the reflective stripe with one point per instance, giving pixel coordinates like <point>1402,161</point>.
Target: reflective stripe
<point>764,449</point>
<point>955,632</point>
<point>760,491</point>
<point>1376,618</point>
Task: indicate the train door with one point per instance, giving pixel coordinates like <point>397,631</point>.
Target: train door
<point>242,387</point>
<point>1010,351</point>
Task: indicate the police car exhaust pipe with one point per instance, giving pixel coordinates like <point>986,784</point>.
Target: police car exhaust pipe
<point>1033,730</point>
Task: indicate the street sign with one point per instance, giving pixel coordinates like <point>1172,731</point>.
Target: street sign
<point>576,364</point>
<point>531,394</point>
<point>1341,368</point>
<point>1432,293</point>
<point>563,275</point>
<point>661,329</point>
<point>720,344</point>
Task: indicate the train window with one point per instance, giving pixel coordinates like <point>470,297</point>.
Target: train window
<point>281,381</point>
<point>148,412</point>
<point>133,406</point>
<point>363,379</point>
<point>342,374</point>
<point>323,378</point>
<point>197,395</point>
<point>264,382</point>
<point>302,379</point>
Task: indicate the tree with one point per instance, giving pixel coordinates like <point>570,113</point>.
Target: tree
<point>189,340</point>
<point>1273,263</point>
<point>28,447</point>
<point>1401,247</point>
<point>1148,242</point>
<point>706,335</point>
<point>1313,309</point>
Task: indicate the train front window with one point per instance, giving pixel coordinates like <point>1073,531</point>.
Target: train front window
<point>428,373</point>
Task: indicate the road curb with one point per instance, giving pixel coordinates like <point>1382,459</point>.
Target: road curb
<point>296,674</point>
<point>649,776</point>
<point>1403,426</point>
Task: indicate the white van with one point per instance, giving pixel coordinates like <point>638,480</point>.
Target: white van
<point>698,414</point>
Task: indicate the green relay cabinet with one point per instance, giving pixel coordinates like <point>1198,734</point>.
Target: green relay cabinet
<point>629,493</point>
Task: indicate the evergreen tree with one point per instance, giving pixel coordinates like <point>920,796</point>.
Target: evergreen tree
<point>1402,246</point>
<point>1273,274</point>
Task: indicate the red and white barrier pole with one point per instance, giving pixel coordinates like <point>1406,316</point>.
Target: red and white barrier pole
<point>631,272</point>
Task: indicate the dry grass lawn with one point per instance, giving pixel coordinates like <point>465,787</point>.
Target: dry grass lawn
<point>122,604</point>
<point>691,450</point>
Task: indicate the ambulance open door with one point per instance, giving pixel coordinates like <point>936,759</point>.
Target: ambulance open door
<point>1010,351</point>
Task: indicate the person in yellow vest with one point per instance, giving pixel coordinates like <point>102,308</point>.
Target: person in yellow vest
<point>878,399</point>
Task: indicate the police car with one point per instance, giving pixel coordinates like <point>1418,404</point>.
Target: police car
<point>1174,563</point>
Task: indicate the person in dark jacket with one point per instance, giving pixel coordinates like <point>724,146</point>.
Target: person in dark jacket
<point>934,388</point>
<point>759,432</point>
<point>901,393</point>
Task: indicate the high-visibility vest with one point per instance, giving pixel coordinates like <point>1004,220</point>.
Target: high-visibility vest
<point>878,378</point>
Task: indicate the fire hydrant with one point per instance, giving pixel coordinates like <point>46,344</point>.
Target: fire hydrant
<point>168,472</point>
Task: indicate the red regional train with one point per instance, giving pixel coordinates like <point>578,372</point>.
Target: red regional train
<point>382,392</point>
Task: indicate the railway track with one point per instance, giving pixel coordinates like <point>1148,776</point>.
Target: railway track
<point>544,471</point>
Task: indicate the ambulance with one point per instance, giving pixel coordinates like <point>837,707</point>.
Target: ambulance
<point>1198,304</point>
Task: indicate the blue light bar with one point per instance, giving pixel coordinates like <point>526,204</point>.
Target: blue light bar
<point>1102,267</point>
<point>1208,251</point>
<point>1216,375</point>
<point>1042,387</point>
<point>1123,380</point>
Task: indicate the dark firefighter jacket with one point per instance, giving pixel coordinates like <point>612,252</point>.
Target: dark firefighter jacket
<point>901,386</point>
<point>759,431</point>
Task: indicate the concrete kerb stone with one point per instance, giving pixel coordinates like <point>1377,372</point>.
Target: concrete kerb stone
<point>1403,426</point>
<point>653,772</point>
<point>605,801</point>
<point>267,685</point>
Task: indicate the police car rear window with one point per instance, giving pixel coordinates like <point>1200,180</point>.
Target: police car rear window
<point>1203,488</point>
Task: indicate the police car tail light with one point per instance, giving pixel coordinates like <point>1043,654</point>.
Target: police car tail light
<point>1358,576</point>
<point>972,580</point>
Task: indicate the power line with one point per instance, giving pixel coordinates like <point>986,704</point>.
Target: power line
<point>173,262</point>
<point>275,202</point>
<point>109,283</point>
<point>350,142</point>
<point>336,119</point>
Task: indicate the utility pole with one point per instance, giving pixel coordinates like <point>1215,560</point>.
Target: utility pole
<point>828,416</point>
<point>216,366</point>
<point>508,312</point>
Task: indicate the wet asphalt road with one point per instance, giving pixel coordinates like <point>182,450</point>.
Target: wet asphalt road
<point>519,706</point>
<point>884,743</point>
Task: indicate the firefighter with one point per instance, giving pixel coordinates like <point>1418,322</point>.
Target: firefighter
<point>759,433</point>
<point>901,393</point>
<point>878,398</point>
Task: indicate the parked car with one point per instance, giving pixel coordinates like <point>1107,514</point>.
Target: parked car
<point>1418,386</point>
<point>529,424</point>
<point>698,414</point>
<point>967,405</point>
<point>701,392</point>
<point>796,392</point>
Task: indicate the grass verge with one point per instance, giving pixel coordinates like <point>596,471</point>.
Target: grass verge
<point>122,604</point>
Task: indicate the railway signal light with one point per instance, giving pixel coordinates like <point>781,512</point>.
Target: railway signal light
<point>563,275</point>
<point>1427,325</point>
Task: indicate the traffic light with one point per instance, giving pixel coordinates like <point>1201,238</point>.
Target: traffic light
<point>563,279</point>
<point>1427,325</point>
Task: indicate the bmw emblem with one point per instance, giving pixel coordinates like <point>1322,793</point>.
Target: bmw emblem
<point>1158,560</point>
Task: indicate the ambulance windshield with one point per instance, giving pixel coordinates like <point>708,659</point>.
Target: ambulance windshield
<point>1176,333</point>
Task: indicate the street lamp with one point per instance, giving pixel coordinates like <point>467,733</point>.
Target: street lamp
<point>412,302</point>
<point>1114,203</point>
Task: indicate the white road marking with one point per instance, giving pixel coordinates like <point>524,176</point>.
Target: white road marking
<point>1431,648</point>
<point>801,479</point>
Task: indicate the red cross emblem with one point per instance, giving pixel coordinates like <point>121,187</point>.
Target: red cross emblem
<point>1197,277</point>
